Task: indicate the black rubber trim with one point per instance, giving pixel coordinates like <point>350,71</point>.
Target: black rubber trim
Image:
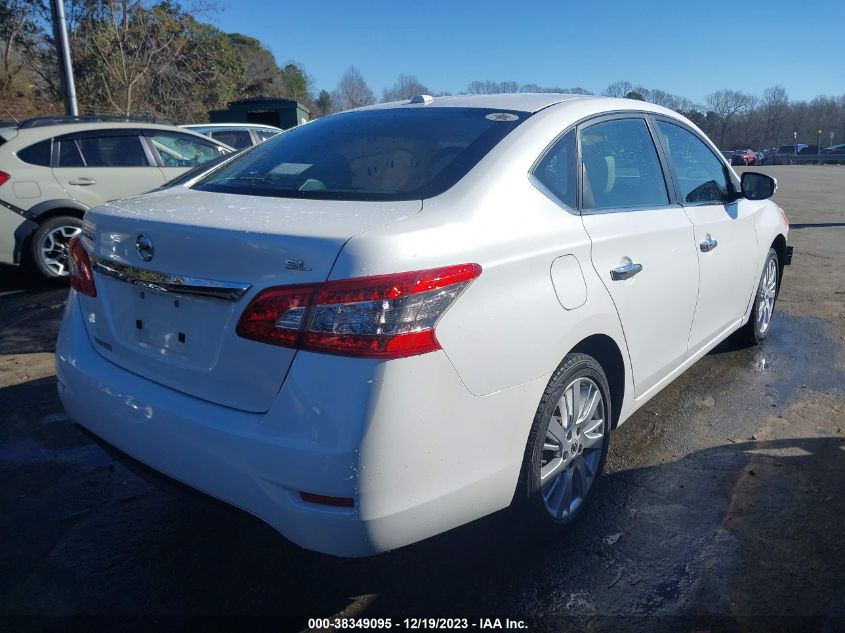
<point>788,259</point>
<point>51,205</point>
<point>26,228</point>
<point>21,212</point>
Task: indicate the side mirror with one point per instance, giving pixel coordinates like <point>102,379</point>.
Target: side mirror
<point>756,186</point>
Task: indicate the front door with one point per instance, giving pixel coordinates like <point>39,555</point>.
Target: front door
<point>725,238</point>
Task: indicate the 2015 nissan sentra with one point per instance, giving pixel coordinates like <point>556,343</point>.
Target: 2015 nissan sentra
<point>392,321</point>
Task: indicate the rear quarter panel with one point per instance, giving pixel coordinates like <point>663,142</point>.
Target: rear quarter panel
<point>509,327</point>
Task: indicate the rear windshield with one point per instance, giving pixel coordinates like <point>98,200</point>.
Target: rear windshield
<point>392,154</point>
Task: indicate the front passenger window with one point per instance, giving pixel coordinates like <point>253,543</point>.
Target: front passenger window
<point>701,176</point>
<point>181,150</point>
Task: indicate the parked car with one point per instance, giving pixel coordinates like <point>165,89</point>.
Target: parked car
<point>395,320</point>
<point>839,150</point>
<point>52,169</point>
<point>744,157</point>
<point>237,135</point>
<point>786,153</point>
<point>809,149</point>
<point>786,150</point>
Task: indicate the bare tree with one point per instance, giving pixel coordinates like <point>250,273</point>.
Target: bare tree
<point>618,89</point>
<point>17,40</point>
<point>774,105</point>
<point>406,86</point>
<point>352,91</point>
<point>727,104</point>
<point>127,45</point>
<point>483,88</point>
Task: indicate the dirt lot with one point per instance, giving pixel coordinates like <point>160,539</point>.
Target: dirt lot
<point>723,497</point>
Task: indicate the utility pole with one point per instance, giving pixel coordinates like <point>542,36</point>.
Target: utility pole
<point>63,53</point>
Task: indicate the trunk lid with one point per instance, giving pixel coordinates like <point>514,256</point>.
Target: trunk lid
<point>167,311</point>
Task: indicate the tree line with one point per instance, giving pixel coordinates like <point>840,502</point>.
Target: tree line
<point>160,57</point>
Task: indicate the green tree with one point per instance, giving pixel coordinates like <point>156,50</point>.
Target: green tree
<point>324,104</point>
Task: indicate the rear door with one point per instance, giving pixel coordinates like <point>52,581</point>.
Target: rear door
<point>725,238</point>
<point>98,166</point>
<point>642,243</point>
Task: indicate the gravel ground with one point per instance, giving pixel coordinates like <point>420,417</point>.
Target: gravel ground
<point>722,502</point>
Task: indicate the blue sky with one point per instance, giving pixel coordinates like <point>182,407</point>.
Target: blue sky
<point>690,48</point>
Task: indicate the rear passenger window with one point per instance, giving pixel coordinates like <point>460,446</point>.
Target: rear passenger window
<point>69,155</point>
<point>557,170</point>
<point>239,139</point>
<point>38,154</point>
<point>701,176</point>
<point>621,168</point>
<point>113,151</point>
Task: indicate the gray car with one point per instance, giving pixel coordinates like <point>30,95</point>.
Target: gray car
<point>52,169</point>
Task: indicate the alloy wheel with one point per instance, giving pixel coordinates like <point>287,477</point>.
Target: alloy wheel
<point>766,296</point>
<point>54,249</point>
<point>572,448</point>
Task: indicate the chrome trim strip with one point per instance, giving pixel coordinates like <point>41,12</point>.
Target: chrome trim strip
<point>165,282</point>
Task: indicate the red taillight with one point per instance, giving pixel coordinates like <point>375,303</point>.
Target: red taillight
<point>276,315</point>
<point>81,274</point>
<point>384,316</point>
<point>4,177</point>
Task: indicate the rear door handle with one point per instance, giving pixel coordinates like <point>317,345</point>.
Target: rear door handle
<point>625,272</point>
<point>707,244</point>
<point>82,182</point>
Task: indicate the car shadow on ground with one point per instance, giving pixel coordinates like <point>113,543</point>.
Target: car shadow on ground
<point>14,278</point>
<point>83,536</point>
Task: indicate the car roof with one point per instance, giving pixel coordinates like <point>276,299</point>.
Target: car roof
<point>518,102</point>
<point>41,132</point>
<point>220,126</point>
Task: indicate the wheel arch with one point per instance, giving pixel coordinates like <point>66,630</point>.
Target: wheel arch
<point>36,216</point>
<point>607,353</point>
<point>53,208</point>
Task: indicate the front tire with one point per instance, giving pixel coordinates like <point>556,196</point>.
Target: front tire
<point>49,245</point>
<point>760,321</point>
<point>567,445</point>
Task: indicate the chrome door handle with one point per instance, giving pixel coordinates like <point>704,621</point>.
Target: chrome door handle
<point>82,182</point>
<point>707,244</point>
<point>625,272</point>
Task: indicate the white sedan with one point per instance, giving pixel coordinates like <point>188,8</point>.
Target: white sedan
<point>392,321</point>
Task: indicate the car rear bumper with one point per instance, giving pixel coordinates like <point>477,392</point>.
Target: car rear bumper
<point>404,439</point>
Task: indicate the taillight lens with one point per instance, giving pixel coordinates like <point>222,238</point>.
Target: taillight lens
<point>4,177</point>
<point>384,316</point>
<point>276,315</point>
<point>79,264</point>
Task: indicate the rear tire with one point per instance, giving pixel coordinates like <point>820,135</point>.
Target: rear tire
<point>49,245</point>
<point>567,445</point>
<point>760,322</point>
